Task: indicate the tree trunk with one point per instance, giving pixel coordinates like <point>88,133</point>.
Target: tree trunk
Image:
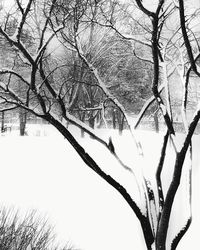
<point>2,122</point>
<point>156,122</point>
<point>121,122</point>
<point>91,122</point>
<point>114,119</point>
<point>99,120</point>
<point>22,122</point>
<point>83,120</point>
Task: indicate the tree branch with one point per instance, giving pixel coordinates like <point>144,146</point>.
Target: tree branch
<point>159,171</point>
<point>146,227</point>
<point>23,19</point>
<point>183,230</point>
<point>146,106</point>
<point>107,93</point>
<point>143,9</point>
<point>12,72</point>
<point>18,45</point>
<point>185,37</point>
<point>165,215</point>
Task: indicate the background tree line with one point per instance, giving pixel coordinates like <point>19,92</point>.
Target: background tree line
<point>125,74</point>
<point>90,61</point>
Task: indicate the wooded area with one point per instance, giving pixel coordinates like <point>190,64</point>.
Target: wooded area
<point>97,63</point>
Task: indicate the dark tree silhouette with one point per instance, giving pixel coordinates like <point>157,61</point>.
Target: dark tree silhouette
<point>46,94</point>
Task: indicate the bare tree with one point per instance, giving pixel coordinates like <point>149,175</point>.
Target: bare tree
<point>70,24</point>
<point>28,233</point>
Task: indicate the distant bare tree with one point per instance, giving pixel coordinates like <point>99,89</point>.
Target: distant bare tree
<point>69,25</point>
<point>28,233</point>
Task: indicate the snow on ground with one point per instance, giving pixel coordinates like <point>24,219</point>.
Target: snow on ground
<point>42,171</point>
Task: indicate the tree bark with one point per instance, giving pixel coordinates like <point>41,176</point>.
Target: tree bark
<point>121,125</point>
<point>2,122</point>
<point>114,119</point>
<point>156,122</point>
<point>22,122</point>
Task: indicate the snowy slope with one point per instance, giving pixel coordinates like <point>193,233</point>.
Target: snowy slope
<point>42,171</point>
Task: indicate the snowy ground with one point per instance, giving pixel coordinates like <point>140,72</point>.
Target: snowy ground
<point>42,171</point>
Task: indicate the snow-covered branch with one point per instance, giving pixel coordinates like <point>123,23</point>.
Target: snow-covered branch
<point>145,224</point>
<point>47,20</point>
<point>44,46</point>
<point>18,44</point>
<point>127,37</point>
<point>102,85</point>
<point>12,72</point>
<point>159,171</point>
<point>146,106</point>
<point>92,133</point>
<point>186,38</point>
<point>20,7</point>
<point>23,18</point>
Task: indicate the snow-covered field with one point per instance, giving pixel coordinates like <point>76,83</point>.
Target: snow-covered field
<point>42,171</point>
